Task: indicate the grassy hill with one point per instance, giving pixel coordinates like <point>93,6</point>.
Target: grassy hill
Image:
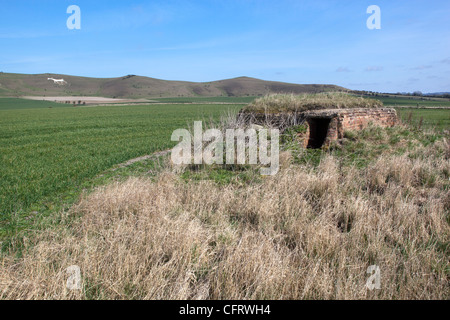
<point>14,85</point>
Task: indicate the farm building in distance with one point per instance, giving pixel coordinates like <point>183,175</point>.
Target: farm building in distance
<point>324,122</point>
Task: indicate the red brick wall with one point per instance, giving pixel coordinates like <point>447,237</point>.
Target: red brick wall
<point>352,120</point>
<point>360,118</point>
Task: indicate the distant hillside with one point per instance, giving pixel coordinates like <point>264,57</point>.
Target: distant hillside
<point>131,86</point>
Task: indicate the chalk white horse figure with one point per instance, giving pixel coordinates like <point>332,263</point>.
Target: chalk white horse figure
<point>58,81</point>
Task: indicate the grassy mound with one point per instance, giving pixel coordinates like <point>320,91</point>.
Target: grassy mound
<point>278,103</point>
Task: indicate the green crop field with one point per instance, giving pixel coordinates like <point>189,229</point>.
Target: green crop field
<point>16,104</point>
<point>47,154</point>
<point>431,118</point>
<point>51,154</point>
<point>413,101</point>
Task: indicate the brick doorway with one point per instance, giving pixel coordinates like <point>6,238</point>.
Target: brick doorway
<point>318,130</point>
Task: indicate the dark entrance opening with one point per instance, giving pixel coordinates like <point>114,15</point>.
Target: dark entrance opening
<point>318,129</point>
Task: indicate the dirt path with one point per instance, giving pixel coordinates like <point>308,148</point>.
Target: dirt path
<point>135,160</point>
<point>142,158</point>
<point>102,101</point>
<point>82,100</point>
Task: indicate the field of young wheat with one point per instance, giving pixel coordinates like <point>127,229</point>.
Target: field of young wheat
<point>379,197</point>
<point>48,155</point>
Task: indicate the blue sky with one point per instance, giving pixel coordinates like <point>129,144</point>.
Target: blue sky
<point>322,41</point>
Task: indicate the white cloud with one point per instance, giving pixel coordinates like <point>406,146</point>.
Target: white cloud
<point>343,69</point>
<point>374,68</point>
<point>422,67</point>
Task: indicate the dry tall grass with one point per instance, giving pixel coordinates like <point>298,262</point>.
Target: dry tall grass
<point>276,103</point>
<point>305,233</point>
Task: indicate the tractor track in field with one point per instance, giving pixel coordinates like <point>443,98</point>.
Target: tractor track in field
<point>142,158</point>
<point>130,162</point>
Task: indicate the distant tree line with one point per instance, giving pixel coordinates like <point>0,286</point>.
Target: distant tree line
<point>403,94</point>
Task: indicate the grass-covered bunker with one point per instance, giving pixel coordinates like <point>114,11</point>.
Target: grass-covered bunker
<point>326,116</point>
